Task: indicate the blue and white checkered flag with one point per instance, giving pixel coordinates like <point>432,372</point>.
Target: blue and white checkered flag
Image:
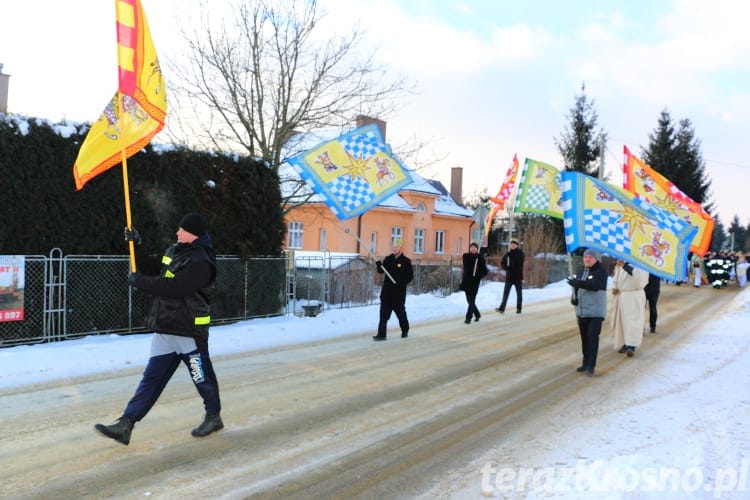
<point>354,172</point>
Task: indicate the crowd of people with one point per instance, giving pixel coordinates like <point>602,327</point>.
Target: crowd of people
<point>179,282</point>
<point>634,291</point>
<point>719,268</point>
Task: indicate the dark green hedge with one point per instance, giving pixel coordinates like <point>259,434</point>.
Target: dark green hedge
<point>41,210</point>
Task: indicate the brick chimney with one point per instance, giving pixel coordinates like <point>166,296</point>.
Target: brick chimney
<point>3,90</point>
<point>363,120</point>
<point>457,180</point>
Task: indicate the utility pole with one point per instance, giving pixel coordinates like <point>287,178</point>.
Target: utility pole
<point>602,150</point>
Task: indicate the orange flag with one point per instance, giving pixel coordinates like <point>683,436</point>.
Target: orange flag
<point>508,184</point>
<point>642,180</point>
<point>488,223</point>
<point>137,111</point>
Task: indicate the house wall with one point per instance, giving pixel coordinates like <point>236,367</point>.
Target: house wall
<point>4,83</point>
<point>380,221</point>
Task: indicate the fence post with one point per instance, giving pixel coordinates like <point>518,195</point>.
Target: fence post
<point>54,291</point>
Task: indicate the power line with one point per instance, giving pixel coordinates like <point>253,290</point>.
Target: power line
<point>728,163</point>
<point>707,160</point>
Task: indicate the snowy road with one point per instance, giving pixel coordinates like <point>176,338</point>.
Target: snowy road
<point>339,418</point>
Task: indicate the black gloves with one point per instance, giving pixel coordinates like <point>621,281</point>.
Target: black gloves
<point>574,282</point>
<point>379,264</point>
<point>133,278</point>
<point>133,235</point>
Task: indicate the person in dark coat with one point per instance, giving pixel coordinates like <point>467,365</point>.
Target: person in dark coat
<point>178,284</point>
<point>652,289</point>
<point>512,263</point>
<point>590,286</point>
<point>475,269</point>
<point>398,273</point>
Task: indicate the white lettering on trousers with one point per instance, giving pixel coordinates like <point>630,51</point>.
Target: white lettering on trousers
<point>196,368</point>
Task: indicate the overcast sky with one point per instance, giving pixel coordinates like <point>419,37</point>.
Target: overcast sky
<point>496,77</point>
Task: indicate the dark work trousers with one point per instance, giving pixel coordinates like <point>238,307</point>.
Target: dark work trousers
<point>386,308</point>
<point>471,297</point>
<point>651,299</point>
<point>589,328</point>
<point>158,372</point>
<point>518,284</point>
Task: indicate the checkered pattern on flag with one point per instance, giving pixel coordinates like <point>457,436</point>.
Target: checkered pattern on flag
<point>354,172</point>
<point>614,221</point>
<point>639,178</point>
<point>539,190</point>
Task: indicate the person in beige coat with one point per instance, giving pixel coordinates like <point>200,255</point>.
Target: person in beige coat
<point>628,306</point>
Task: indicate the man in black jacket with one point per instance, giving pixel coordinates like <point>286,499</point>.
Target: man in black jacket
<point>179,314</point>
<point>512,263</point>
<point>474,270</point>
<point>652,290</point>
<point>398,273</point>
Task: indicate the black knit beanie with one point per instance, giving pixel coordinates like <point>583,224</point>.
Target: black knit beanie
<point>194,223</point>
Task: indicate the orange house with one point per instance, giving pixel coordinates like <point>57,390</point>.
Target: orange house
<point>424,215</point>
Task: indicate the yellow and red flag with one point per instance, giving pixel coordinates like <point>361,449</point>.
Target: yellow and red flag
<point>642,180</point>
<point>488,223</point>
<point>501,198</point>
<point>509,183</point>
<point>138,109</point>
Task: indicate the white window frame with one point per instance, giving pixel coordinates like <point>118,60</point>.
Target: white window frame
<point>419,240</point>
<point>440,242</point>
<point>294,234</point>
<point>397,233</point>
<point>374,242</point>
<point>459,246</point>
<point>323,239</point>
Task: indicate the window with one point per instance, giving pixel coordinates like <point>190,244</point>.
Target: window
<point>397,233</point>
<point>373,242</point>
<point>419,241</point>
<point>459,246</point>
<point>439,242</point>
<point>322,239</point>
<point>421,207</point>
<point>294,235</point>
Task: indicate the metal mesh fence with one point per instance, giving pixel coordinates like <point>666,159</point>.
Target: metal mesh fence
<point>78,295</point>
<point>98,298</point>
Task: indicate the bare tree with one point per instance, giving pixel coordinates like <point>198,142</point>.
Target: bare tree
<point>539,242</point>
<point>268,71</point>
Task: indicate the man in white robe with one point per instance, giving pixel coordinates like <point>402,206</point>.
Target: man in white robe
<point>628,307</point>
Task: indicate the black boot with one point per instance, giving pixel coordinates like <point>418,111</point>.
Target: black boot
<point>211,423</point>
<point>119,430</point>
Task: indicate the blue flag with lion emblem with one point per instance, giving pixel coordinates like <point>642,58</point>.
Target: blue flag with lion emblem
<point>354,172</point>
<point>614,221</point>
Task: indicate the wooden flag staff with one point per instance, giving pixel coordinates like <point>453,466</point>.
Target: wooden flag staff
<point>125,186</point>
<point>349,230</point>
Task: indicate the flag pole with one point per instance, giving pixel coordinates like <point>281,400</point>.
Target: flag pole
<point>349,230</point>
<point>125,186</point>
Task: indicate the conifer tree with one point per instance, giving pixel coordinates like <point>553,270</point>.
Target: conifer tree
<point>580,142</point>
<point>719,236</point>
<point>737,234</point>
<point>676,154</point>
